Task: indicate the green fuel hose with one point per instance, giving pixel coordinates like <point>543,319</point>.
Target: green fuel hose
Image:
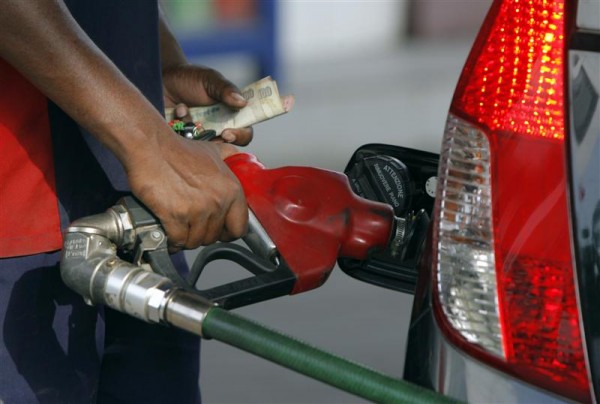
<point>356,379</point>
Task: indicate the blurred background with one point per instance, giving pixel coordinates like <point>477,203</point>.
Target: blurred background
<point>362,71</point>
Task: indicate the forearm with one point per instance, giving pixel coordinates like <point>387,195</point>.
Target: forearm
<point>44,42</point>
<point>198,199</point>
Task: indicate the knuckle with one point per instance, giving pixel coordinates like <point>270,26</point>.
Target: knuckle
<point>195,243</point>
<point>214,82</point>
<point>238,230</point>
<point>211,238</point>
<point>175,240</point>
<point>245,136</point>
<point>235,191</point>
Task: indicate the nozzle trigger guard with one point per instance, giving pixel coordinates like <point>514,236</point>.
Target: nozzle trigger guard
<point>269,280</point>
<point>148,246</point>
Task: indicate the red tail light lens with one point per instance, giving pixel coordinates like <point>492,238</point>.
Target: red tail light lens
<point>504,148</point>
<point>515,82</point>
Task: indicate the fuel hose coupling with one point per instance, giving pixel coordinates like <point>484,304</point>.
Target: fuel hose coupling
<point>90,266</point>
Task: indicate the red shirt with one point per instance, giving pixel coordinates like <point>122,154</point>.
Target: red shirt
<point>52,171</point>
<point>29,216</point>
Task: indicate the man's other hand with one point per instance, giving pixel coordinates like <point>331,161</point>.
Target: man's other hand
<point>189,85</point>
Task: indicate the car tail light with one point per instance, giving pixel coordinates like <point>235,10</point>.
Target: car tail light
<point>504,279</point>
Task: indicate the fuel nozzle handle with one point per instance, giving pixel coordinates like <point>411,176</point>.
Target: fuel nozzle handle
<point>312,216</point>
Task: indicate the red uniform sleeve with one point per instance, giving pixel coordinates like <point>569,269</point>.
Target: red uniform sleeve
<point>29,215</point>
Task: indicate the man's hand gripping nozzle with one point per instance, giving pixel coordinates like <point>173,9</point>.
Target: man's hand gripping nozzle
<point>301,220</point>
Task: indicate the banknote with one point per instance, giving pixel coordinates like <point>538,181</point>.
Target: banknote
<point>264,102</point>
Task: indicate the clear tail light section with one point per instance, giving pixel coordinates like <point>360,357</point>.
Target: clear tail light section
<point>504,279</point>
<point>466,275</point>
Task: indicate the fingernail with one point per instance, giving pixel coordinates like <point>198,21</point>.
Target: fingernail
<point>228,137</point>
<point>238,97</point>
<point>180,111</point>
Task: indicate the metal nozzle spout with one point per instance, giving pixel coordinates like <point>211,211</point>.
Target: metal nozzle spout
<point>404,238</point>
<point>399,235</point>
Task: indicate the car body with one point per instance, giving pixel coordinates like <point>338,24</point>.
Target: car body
<point>506,305</point>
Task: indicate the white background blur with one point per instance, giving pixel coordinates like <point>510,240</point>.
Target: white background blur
<point>362,72</point>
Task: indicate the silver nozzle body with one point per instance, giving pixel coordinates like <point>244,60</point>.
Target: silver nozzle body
<point>90,266</point>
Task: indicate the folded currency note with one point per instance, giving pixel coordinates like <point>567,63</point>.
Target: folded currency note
<point>264,103</point>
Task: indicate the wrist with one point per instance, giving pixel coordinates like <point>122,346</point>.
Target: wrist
<point>136,141</point>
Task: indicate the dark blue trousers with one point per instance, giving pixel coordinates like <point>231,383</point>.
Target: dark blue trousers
<point>56,349</point>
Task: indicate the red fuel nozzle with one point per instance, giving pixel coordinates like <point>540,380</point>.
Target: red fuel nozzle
<point>312,216</point>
